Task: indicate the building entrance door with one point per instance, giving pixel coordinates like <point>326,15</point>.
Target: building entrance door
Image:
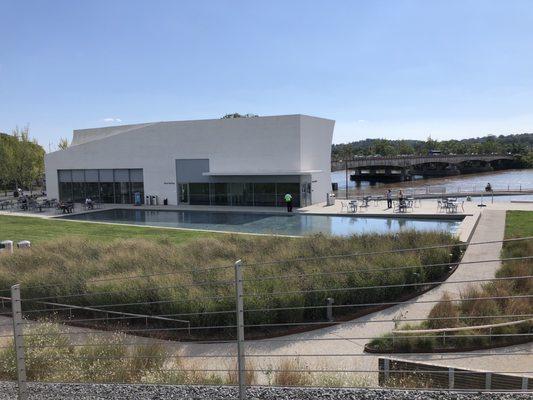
<point>183,193</point>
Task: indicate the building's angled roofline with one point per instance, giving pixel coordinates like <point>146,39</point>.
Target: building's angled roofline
<point>204,120</point>
<point>86,135</point>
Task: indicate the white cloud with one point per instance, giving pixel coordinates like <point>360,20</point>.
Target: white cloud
<point>112,119</point>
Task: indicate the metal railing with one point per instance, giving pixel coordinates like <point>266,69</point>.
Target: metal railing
<point>315,339</point>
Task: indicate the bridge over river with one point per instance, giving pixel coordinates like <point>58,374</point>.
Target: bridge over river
<point>401,168</point>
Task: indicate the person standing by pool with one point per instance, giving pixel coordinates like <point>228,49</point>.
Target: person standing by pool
<point>389,198</point>
<point>288,201</point>
<point>400,197</point>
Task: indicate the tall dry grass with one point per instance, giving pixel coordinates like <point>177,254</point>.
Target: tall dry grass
<point>176,280</point>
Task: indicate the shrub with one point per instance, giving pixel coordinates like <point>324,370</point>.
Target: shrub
<point>292,373</point>
<point>443,315</point>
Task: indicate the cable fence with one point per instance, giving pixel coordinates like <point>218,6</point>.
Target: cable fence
<point>397,318</point>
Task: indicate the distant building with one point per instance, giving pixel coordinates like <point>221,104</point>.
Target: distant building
<point>232,161</point>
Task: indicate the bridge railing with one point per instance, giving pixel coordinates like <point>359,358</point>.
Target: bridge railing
<point>436,190</point>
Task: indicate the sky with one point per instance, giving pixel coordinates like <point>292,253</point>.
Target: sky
<point>382,69</point>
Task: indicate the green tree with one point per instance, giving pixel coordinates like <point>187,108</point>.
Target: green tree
<point>63,144</point>
<point>22,159</point>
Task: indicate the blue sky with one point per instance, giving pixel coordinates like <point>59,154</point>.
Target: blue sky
<point>394,69</point>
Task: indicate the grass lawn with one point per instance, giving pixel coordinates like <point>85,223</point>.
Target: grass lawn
<point>518,224</point>
<point>39,229</point>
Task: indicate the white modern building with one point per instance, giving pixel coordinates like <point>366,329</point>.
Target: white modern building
<point>250,161</point>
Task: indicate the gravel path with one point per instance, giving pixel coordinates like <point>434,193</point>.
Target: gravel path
<point>152,392</point>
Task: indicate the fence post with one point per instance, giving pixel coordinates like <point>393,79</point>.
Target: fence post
<point>329,309</point>
<point>386,369</point>
<point>241,362</point>
<point>19,342</point>
<point>525,383</point>
<point>451,378</point>
<point>488,380</point>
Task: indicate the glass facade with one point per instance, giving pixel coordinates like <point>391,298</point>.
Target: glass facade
<point>104,185</point>
<point>240,194</point>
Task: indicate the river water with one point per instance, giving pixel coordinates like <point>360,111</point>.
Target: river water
<point>514,179</point>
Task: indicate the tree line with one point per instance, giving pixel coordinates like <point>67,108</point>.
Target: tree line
<point>21,160</point>
<point>520,145</point>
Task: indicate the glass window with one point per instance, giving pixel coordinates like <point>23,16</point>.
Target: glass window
<point>137,187</point>
<point>265,194</point>
<point>91,190</point>
<point>65,191</point>
<point>78,192</point>
<point>122,175</point>
<point>107,192</point>
<point>183,193</point>
<point>64,175</point>
<point>106,175</point>
<point>105,185</point>
<point>123,193</point>
<point>136,175</point>
<point>91,175</point>
<point>220,194</point>
<point>78,175</point>
<point>241,194</point>
<point>199,193</point>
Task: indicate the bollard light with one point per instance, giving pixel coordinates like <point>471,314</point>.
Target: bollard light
<point>6,246</point>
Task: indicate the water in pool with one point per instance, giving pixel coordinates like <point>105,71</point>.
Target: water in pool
<point>280,224</point>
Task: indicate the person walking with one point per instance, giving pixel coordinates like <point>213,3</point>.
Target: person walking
<point>389,198</point>
<point>288,201</point>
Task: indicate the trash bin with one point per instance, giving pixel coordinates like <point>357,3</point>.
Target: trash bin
<point>330,199</point>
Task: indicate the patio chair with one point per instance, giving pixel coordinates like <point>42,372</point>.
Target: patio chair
<point>344,205</point>
<point>353,206</point>
<point>397,206</point>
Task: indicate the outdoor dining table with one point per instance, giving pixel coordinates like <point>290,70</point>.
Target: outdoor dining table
<point>376,199</point>
<point>451,206</point>
<point>365,200</point>
<point>67,208</point>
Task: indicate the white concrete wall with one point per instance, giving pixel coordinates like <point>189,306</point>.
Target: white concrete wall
<point>251,145</point>
<point>316,136</point>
